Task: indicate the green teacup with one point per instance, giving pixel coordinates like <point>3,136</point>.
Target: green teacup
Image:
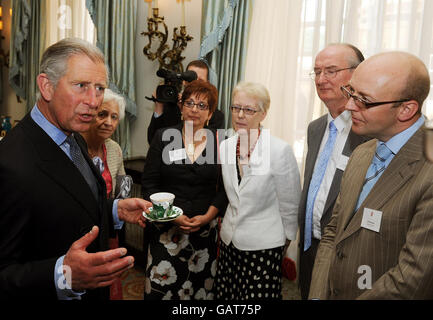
<point>162,204</point>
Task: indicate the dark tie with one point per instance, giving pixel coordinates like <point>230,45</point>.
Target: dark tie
<point>81,164</point>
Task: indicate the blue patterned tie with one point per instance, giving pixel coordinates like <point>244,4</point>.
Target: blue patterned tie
<point>316,180</point>
<point>81,164</point>
<point>375,170</point>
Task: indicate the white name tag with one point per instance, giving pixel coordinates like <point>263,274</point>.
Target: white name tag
<point>342,162</point>
<point>371,219</point>
<point>176,155</point>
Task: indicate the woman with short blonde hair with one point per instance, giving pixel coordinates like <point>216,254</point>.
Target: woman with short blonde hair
<point>262,183</point>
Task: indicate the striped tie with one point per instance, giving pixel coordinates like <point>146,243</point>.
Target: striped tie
<point>374,172</point>
<point>81,164</point>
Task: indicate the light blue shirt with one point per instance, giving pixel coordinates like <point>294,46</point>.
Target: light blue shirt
<point>399,140</point>
<point>59,137</point>
<point>395,144</point>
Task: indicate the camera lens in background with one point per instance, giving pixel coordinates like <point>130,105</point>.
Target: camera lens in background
<point>166,93</point>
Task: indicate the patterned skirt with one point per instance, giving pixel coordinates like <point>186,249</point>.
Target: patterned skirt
<point>180,266</point>
<point>248,275</point>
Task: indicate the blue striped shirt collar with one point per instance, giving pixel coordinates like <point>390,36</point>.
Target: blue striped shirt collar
<point>53,132</point>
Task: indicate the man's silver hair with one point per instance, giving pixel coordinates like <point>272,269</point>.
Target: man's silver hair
<point>54,62</point>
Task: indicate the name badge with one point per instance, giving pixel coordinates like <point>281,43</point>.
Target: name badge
<point>371,219</point>
<point>176,155</point>
<point>342,162</point>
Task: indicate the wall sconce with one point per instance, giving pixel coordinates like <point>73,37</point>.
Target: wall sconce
<point>170,59</point>
<point>3,56</point>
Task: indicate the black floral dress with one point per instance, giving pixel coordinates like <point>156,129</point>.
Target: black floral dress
<point>182,266</point>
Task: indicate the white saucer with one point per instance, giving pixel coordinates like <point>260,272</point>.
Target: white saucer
<point>177,212</point>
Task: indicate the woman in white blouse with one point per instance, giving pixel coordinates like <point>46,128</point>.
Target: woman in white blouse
<point>262,182</point>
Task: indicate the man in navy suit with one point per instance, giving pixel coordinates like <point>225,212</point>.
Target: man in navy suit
<point>54,216</point>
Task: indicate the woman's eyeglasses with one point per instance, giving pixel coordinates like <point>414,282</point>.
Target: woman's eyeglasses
<point>200,105</point>
<point>247,110</point>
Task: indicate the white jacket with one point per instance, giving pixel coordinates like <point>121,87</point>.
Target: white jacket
<point>263,209</point>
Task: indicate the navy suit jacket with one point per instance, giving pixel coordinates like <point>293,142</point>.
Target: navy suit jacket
<point>45,206</point>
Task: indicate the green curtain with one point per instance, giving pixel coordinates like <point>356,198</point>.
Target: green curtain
<point>115,22</point>
<point>224,45</point>
<point>28,30</point>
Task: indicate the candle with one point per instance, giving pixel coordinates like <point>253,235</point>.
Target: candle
<point>149,9</point>
<point>183,12</point>
<point>156,4</point>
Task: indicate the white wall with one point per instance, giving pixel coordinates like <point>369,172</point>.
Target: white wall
<point>146,77</point>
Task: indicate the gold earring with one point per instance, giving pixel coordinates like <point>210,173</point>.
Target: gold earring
<point>181,117</point>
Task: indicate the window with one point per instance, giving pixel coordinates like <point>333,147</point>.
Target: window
<point>68,18</point>
<point>286,36</point>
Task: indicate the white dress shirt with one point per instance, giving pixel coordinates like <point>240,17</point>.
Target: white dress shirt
<point>343,123</point>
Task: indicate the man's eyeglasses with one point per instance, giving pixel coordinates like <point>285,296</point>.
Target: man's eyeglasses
<point>247,110</point>
<point>361,102</point>
<point>200,105</point>
<point>328,73</point>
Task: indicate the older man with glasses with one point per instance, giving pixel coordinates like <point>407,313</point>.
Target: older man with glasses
<point>330,143</point>
<point>379,241</point>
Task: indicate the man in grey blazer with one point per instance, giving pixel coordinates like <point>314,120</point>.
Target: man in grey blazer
<point>333,68</point>
<point>379,241</point>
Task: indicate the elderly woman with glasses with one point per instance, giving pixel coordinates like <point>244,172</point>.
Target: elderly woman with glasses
<point>262,183</point>
<point>105,152</point>
<point>183,160</point>
<point>107,156</point>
